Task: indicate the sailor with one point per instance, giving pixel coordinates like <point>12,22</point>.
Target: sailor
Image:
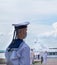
<point>44,58</point>
<point>31,57</point>
<point>18,52</point>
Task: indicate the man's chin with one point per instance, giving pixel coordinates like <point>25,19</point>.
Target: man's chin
<point>24,37</point>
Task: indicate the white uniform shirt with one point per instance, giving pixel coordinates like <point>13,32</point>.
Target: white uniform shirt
<point>19,56</point>
<point>45,58</point>
<point>31,57</point>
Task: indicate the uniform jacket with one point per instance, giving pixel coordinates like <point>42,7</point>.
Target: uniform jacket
<point>18,56</point>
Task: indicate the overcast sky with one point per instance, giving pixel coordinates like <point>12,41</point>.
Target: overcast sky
<point>42,15</point>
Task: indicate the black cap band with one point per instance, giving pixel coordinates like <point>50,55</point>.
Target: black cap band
<point>20,27</point>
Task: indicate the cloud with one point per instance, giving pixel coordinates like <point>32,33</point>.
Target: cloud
<point>44,7</point>
<point>41,30</point>
<point>18,10</point>
<point>55,26</point>
<point>53,32</point>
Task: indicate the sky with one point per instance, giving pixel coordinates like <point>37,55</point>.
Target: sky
<point>42,15</point>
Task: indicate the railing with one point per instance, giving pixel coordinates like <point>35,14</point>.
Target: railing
<point>2,57</point>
